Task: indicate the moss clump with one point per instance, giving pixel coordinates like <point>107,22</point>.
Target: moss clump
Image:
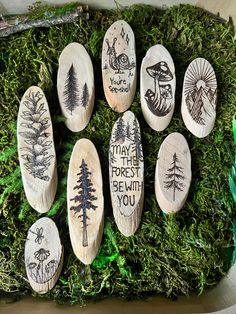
<point>171,255</point>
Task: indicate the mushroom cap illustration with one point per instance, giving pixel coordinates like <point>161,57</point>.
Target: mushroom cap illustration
<point>160,71</point>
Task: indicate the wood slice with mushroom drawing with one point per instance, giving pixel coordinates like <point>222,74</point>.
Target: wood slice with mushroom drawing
<point>173,173</point>
<point>75,86</point>
<point>157,87</point>
<point>199,97</point>
<point>85,201</point>
<point>119,66</point>
<point>36,150</point>
<point>43,255</point>
<point>126,172</point>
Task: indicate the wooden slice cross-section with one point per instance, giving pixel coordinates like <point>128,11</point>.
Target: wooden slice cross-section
<point>157,87</point>
<point>43,255</point>
<point>119,66</point>
<point>173,173</point>
<point>75,86</point>
<point>126,171</point>
<point>199,97</point>
<point>36,150</point>
<point>85,201</point>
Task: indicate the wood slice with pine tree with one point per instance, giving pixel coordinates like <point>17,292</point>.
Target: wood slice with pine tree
<point>173,173</point>
<point>85,201</point>
<point>75,86</point>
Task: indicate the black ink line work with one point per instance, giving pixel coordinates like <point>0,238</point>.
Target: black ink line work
<point>119,133</point>
<point>39,235</point>
<point>85,198</point>
<point>41,272</point>
<point>72,96</point>
<point>71,93</point>
<point>174,177</point>
<point>118,63</point>
<point>200,90</point>
<point>37,122</point>
<point>160,101</point>
<point>122,33</point>
<point>137,143</point>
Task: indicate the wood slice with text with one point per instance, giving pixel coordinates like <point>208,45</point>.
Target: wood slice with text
<point>75,86</point>
<point>43,255</point>
<point>85,202</point>
<point>157,87</point>
<point>119,66</point>
<point>126,171</point>
<point>173,173</point>
<point>36,150</point>
<point>199,97</point>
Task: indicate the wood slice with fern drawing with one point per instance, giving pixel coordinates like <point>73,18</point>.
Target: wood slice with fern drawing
<point>36,150</point>
<point>75,86</point>
<point>173,173</point>
<point>85,201</point>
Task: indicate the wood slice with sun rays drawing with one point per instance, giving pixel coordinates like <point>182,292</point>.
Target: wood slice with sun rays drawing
<point>199,97</point>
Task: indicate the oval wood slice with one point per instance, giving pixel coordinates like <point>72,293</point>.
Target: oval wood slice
<point>199,97</point>
<point>119,66</point>
<point>36,150</point>
<point>173,173</point>
<point>75,86</point>
<point>85,202</point>
<point>126,170</point>
<point>43,255</point>
<point>157,87</point>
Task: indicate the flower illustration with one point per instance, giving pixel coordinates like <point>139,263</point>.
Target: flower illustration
<point>41,255</point>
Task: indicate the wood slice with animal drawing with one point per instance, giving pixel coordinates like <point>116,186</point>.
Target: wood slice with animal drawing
<point>119,66</point>
<point>126,172</point>
<point>75,86</point>
<point>85,202</point>
<point>157,87</point>
<point>173,173</point>
<point>43,255</point>
<point>199,97</point>
<point>36,150</point>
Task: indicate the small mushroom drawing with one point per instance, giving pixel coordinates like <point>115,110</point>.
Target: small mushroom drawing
<point>160,72</point>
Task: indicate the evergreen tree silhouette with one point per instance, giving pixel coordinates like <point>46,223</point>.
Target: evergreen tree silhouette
<point>119,134</point>
<point>85,198</point>
<point>85,96</point>
<point>71,93</point>
<point>128,132</point>
<point>137,144</point>
<point>175,177</point>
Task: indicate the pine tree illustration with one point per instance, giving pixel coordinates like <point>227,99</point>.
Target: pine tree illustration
<point>71,93</point>
<point>175,177</point>
<point>36,157</point>
<point>128,132</point>
<point>137,144</point>
<point>85,96</point>
<point>85,198</point>
<point>119,134</point>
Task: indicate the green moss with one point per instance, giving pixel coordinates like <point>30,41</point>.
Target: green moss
<point>171,255</point>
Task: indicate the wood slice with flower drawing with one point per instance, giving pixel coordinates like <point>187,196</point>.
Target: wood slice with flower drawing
<point>126,173</point>
<point>75,86</point>
<point>173,173</point>
<point>157,87</point>
<point>119,72</point>
<point>85,201</point>
<point>43,255</point>
<point>199,97</point>
<point>36,150</point>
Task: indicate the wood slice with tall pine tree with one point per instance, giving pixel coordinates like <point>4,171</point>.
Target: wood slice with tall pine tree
<point>173,173</point>
<point>85,201</point>
<point>75,86</point>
